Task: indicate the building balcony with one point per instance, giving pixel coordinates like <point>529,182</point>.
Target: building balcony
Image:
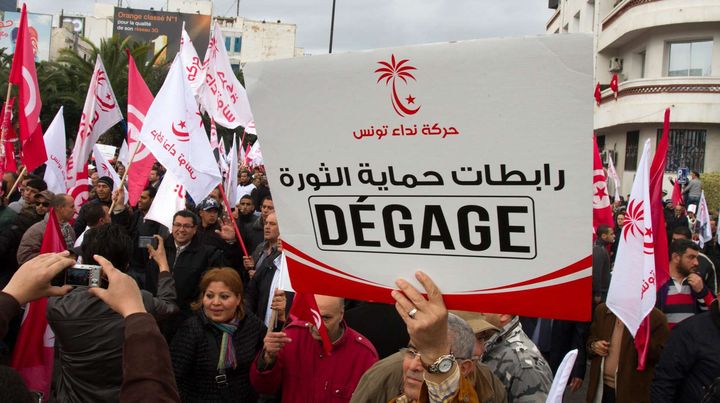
<point>630,17</point>
<point>694,100</point>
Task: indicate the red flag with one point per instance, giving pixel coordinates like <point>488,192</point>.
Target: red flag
<point>305,308</point>
<point>7,153</point>
<point>614,85</point>
<point>602,212</point>
<point>676,194</point>
<point>139,100</point>
<point>662,272</point>
<point>33,353</point>
<point>22,74</point>
<point>598,94</point>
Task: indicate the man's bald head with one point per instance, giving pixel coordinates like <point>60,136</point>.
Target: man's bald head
<point>332,310</point>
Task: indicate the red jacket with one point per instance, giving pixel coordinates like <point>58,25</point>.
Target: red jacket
<point>306,374</point>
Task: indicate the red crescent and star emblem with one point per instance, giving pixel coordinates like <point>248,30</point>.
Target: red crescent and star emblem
<point>183,136</point>
<point>108,103</point>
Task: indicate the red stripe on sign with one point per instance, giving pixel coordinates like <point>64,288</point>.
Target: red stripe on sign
<point>573,268</point>
<point>547,302</point>
<point>297,252</point>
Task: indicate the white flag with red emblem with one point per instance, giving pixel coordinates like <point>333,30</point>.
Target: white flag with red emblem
<point>703,217</point>
<point>616,179</point>
<point>139,100</point>
<point>100,113</point>
<point>55,174</point>
<point>254,155</point>
<point>222,96</point>
<point>174,133</point>
<point>194,67</point>
<point>170,199</point>
<point>631,296</point>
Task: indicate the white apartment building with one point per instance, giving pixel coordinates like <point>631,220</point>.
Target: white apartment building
<point>251,41</point>
<point>666,53</point>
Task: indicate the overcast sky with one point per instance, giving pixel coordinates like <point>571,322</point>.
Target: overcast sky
<point>367,24</point>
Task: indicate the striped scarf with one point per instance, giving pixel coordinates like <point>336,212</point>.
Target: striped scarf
<point>227,357</point>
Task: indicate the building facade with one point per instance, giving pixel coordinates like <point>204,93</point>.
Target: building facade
<point>666,53</point>
<point>252,41</point>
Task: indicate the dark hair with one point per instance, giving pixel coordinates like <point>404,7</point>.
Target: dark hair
<point>11,173</point>
<point>696,173</point>
<point>151,191</point>
<point>682,230</point>
<point>38,184</point>
<point>602,229</point>
<point>109,241</point>
<point>94,212</point>
<point>679,246</point>
<point>188,214</point>
<point>246,196</point>
<point>268,197</point>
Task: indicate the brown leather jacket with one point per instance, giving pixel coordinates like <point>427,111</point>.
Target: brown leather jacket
<point>631,385</point>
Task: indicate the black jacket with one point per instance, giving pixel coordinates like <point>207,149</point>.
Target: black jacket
<point>566,335</point>
<point>10,237</point>
<point>195,362</point>
<point>690,361</point>
<point>257,291</point>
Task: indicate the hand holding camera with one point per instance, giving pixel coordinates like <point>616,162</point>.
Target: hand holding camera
<point>122,294</point>
<point>158,253</point>
<point>32,280</point>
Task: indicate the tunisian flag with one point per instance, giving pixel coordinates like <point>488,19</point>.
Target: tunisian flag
<point>7,151</point>
<point>33,353</point>
<point>139,100</point>
<point>633,285</point>
<point>614,85</point>
<point>304,307</point>
<point>602,212</point>
<point>22,74</point>
<point>676,194</point>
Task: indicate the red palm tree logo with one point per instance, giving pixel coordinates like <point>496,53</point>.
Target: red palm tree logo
<point>391,72</point>
<point>634,217</point>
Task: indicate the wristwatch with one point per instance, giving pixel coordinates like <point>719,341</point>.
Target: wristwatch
<point>442,365</point>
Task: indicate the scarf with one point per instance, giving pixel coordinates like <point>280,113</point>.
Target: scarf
<point>226,357</point>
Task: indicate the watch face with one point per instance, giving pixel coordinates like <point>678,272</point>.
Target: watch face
<point>445,365</point>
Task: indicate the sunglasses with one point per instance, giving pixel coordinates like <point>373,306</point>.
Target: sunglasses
<point>44,204</point>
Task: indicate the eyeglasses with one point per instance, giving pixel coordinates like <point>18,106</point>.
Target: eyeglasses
<point>185,226</point>
<point>44,204</point>
<point>412,353</point>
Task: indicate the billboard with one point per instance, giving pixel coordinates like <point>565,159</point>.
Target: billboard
<point>40,33</point>
<point>162,28</point>
<point>446,158</point>
<point>77,23</point>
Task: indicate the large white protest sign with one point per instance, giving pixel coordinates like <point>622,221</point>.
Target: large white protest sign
<point>470,161</point>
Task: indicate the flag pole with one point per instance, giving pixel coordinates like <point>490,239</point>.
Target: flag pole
<point>127,169</point>
<point>15,185</point>
<point>237,231</point>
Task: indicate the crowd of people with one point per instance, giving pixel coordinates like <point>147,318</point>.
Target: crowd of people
<point>187,316</point>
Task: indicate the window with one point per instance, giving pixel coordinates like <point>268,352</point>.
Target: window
<point>227,43</point>
<point>600,142</point>
<point>642,63</point>
<point>690,58</point>
<point>686,148</point>
<point>631,150</point>
<point>238,44</point>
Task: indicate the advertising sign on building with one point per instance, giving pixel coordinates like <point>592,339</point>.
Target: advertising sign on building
<point>77,23</point>
<point>469,161</point>
<point>40,28</point>
<point>162,28</point>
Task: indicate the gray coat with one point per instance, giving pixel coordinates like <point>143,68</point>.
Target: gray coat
<point>89,337</point>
